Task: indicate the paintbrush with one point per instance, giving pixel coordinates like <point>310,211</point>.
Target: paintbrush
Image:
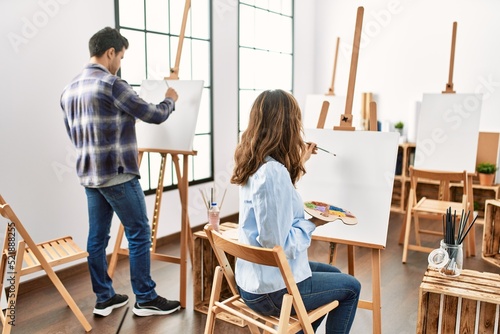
<point>322,149</point>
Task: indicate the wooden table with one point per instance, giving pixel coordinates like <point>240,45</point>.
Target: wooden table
<point>469,303</point>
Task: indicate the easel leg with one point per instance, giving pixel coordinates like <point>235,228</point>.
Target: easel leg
<point>183,185</point>
<point>470,243</point>
<point>350,259</point>
<point>158,196</point>
<point>114,257</point>
<point>333,253</point>
<point>187,242</point>
<point>377,305</point>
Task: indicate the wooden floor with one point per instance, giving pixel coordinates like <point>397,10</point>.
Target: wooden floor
<point>44,311</point>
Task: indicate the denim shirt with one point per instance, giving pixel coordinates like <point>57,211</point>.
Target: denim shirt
<point>272,213</point>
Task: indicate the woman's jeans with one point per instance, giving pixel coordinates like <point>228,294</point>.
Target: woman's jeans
<point>325,285</point>
<point>127,201</point>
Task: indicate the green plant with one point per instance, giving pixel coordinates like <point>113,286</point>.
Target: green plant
<point>399,125</point>
<point>486,168</point>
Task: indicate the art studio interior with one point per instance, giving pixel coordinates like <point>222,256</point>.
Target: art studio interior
<point>402,99</point>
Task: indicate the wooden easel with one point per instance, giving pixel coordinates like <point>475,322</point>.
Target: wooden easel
<point>449,85</point>
<point>331,90</point>
<point>346,117</point>
<point>186,242</point>
<point>346,125</point>
<point>174,71</point>
<point>470,248</point>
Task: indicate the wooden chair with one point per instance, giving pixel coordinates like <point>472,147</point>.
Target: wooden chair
<point>234,305</point>
<point>28,258</point>
<point>433,209</point>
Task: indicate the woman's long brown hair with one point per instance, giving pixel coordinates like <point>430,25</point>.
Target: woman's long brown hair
<point>275,130</point>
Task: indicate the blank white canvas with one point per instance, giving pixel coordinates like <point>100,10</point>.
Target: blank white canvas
<point>177,132</point>
<point>312,110</point>
<point>448,131</point>
<point>359,179</point>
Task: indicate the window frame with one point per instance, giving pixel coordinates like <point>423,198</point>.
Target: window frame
<point>254,89</point>
<point>208,86</point>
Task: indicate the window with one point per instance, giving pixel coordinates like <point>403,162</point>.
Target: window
<point>153,28</point>
<point>265,50</point>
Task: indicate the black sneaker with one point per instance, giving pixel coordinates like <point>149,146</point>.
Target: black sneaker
<point>158,306</point>
<point>104,309</point>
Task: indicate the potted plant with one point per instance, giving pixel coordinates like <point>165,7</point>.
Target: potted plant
<point>476,208</point>
<point>486,172</point>
<point>399,127</point>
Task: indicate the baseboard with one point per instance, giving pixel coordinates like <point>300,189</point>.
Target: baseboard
<point>43,281</point>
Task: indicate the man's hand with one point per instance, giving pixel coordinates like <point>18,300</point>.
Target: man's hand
<point>171,93</point>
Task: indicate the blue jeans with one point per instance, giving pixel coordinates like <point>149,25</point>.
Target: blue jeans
<point>325,285</point>
<point>128,202</point>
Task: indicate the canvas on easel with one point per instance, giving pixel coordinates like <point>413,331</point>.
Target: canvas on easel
<point>448,126</point>
<point>359,178</point>
<point>177,133</point>
<point>448,131</point>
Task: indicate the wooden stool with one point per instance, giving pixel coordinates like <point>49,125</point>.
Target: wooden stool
<point>468,303</point>
<point>491,232</point>
<point>204,264</point>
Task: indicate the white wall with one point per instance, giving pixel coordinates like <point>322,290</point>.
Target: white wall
<point>44,45</point>
<point>405,51</point>
<point>304,52</point>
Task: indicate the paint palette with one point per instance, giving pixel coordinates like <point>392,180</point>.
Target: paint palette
<point>329,213</point>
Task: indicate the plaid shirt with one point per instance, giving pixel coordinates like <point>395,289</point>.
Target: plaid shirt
<point>100,111</point>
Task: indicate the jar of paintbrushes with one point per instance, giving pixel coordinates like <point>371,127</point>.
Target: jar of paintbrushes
<point>449,258</point>
<point>455,263</point>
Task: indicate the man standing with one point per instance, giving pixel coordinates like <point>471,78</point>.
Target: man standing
<point>100,111</point>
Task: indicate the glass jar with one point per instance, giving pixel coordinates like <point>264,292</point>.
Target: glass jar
<point>455,262</point>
